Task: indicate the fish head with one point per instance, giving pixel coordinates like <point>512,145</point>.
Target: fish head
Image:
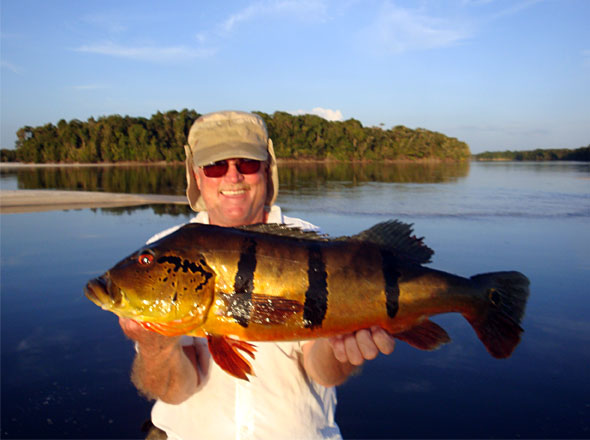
<point>171,287</point>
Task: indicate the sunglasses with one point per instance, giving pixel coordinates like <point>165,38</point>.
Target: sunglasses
<point>219,168</point>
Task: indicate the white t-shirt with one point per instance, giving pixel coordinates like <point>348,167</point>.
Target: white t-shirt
<point>280,402</point>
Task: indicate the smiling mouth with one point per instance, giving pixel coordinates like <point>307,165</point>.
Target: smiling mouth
<point>233,192</point>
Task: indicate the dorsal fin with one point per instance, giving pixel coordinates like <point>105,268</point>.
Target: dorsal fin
<point>284,231</point>
<point>392,235</point>
<point>396,237</point>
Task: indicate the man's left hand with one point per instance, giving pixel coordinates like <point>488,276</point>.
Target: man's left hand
<point>355,348</point>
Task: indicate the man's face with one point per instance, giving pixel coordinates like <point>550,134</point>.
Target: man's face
<point>234,199</point>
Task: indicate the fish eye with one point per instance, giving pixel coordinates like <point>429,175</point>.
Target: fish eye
<point>145,259</point>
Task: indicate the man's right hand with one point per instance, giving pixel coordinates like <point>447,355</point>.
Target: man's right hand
<point>149,343</point>
<point>162,369</point>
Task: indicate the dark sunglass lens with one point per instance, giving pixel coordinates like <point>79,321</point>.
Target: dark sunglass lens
<point>216,169</point>
<point>248,166</point>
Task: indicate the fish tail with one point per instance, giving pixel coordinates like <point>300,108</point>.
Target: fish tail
<point>497,320</point>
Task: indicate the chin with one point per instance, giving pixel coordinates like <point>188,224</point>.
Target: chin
<point>235,219</point>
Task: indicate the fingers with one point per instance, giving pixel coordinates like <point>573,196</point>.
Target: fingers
<point>362,345</point>
<point>128,324</point>
<point>135,331</point>
<point>383,340</point>
<point>337,343</point>
<point>149,343</point>
<point>129,327</point>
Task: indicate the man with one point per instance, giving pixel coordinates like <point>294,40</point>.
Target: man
<point>233,180</point>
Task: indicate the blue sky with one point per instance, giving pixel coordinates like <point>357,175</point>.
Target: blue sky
<point>497,74</point>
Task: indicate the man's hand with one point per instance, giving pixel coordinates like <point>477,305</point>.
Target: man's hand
<point>355,348</point>
<point>150,344</point>
<point>162,368</point>
<point>331,361</point>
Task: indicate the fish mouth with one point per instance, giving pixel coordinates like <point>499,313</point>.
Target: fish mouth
<point>102,292</point>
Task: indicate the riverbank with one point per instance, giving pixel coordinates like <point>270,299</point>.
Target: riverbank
<point>12,165</point>
<point>21,201</point>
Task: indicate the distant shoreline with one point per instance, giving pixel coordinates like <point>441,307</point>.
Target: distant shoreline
<point>79,164</point>
<point>26,200</point>
<point>17,165</point>
<point>178,163</point>
<point>581,154</point>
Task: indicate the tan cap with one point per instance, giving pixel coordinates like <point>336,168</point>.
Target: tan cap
<point>227,135</point>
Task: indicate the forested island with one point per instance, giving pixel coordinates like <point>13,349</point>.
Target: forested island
<point>578,154</point>
<point>118,138</point>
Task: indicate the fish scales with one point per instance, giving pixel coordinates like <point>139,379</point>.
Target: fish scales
<point>271,283</point>
<point>353,281</point>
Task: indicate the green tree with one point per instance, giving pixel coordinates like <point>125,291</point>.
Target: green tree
<point>116,138</point>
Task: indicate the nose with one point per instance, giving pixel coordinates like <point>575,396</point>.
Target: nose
<point>233,175</point>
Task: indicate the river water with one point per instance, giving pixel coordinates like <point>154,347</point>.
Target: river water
<point>65,363</point>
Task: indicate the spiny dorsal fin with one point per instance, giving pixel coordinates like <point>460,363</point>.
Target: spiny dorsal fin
<point>396,237</point>
<point>392,235</point>
<point>284,231</point>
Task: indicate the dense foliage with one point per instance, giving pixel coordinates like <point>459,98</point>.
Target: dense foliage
<point>108,139</point>
<point>7,155</point>
<point>123,138</point>
<point>313,137</point>
<point>579,154</point>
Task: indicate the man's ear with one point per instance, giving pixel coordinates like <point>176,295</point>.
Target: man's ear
<point>197,178</point>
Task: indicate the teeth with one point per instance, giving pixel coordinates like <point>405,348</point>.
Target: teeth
<point>235,192</point>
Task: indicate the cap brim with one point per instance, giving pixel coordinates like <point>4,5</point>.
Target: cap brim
<point>230,151</point>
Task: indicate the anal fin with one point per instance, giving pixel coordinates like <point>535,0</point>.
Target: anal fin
<point>425,336</point>
<point>226,353</point>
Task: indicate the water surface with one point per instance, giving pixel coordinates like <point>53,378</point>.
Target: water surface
<point>65,363</point>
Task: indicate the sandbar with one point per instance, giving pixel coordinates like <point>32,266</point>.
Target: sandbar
<point>21,201</point>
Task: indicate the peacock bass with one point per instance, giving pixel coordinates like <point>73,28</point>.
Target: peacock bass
<point>269,282</point>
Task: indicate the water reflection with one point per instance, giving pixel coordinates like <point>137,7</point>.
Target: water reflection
<point>170,179</point>
<point>159,209</point>
<point>65,363</point>
<point>137,179</point>
<point>318,173</point>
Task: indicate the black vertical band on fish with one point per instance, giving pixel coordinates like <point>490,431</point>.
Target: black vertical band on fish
<point>316,296</point>
<point>391,278</point>
<point>241,306</point>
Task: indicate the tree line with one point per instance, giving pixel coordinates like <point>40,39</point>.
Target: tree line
<point>578,154</point>
<point>112,138</point>
<point>118,138</point>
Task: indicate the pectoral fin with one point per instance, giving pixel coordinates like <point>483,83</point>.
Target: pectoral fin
<point>172,328</point>
<point>226,353</point>
<point>273,310</point>
<point>260,309</point>
<point>425,336</point>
